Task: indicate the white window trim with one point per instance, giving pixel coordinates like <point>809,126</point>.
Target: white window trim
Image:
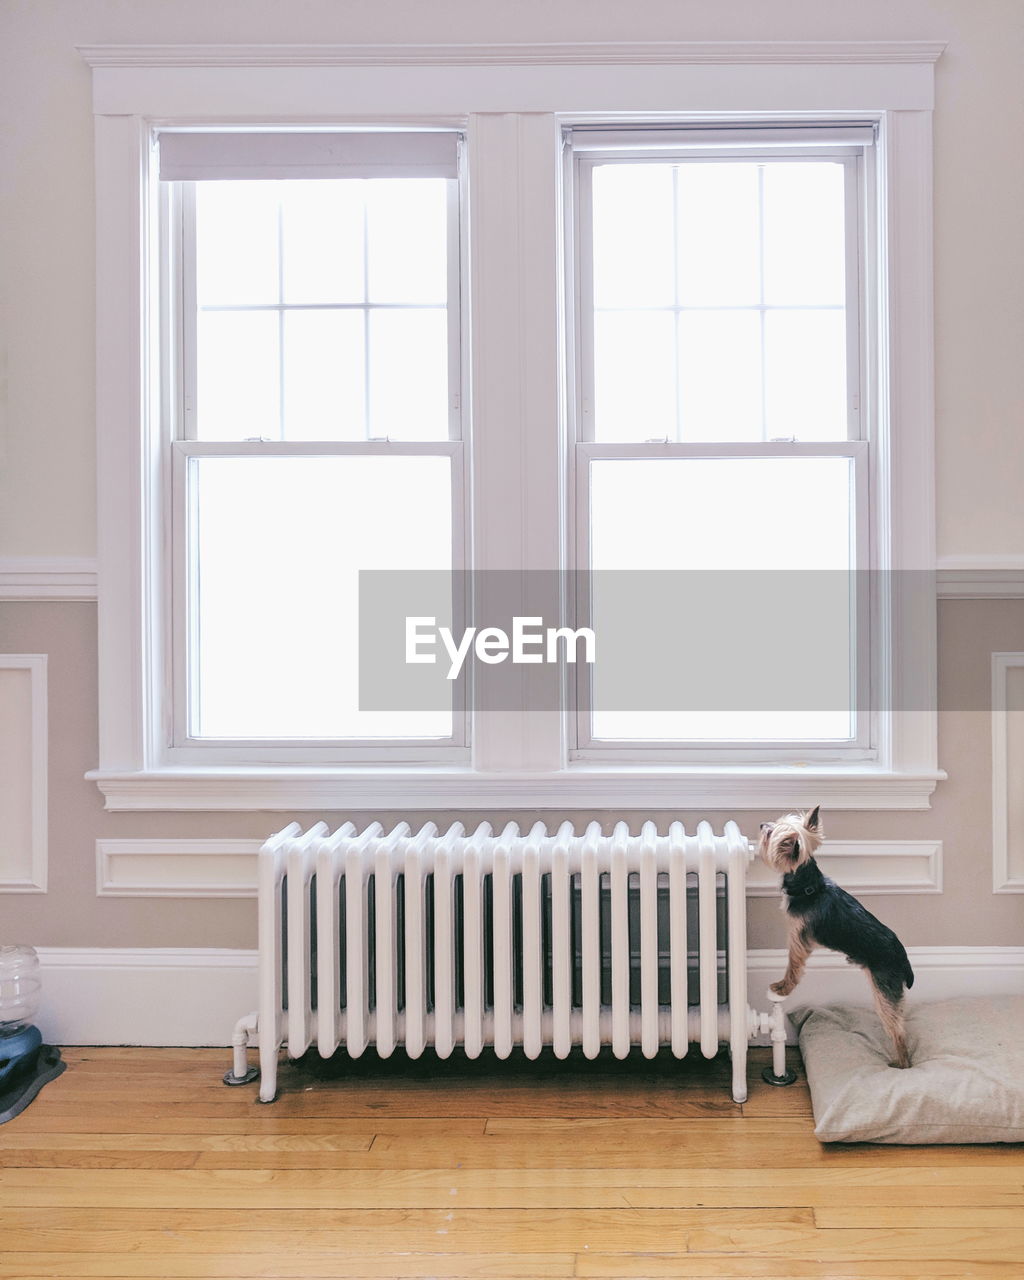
<point>520,96</point>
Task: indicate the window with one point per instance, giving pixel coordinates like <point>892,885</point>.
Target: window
<point>722,429</point>
<point>312,372</point>
<point>636,309</point>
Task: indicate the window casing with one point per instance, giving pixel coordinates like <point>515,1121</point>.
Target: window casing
<point>515,463</point>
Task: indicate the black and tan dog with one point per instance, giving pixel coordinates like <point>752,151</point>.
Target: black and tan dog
<point>822,914</point>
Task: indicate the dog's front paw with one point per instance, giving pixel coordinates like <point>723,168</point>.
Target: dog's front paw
<point>781,988</point>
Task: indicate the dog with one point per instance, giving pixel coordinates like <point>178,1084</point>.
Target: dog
<point>822,914</point>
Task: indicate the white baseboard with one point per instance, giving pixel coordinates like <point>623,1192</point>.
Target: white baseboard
<point>194,996</point>
<point>159,996</point>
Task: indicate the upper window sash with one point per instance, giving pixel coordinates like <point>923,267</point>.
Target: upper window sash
<point>185,159</point>
<point>851,147</point>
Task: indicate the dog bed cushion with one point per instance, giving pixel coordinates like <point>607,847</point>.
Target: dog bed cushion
<point>965,1082</point>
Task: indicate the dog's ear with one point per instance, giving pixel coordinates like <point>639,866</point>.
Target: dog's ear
<point>813,820</point>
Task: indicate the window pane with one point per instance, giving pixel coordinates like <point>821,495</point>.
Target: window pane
<point>305,271</point>
<point>804,229</point>
<point>753,275</point>
<point>278,547</point>
<point>634,375</point>
<point>747,620</point>
<point>236,243</point>
<point>805,375</point>
<point>238,375</point>
<point>409,374</point>
<point>632,235</point>
<point>322,230</point>
<point>407,229</point>
<point>718,235</point>
<point>325,375</point>
<point>720,375</point>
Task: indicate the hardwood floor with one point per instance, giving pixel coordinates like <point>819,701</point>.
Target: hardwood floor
<point>140,1163</point>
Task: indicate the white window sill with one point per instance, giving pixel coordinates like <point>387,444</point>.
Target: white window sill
<point>679,788</point>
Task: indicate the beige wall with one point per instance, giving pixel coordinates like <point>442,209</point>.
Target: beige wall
<point>967,913</point>
<point>46,483</point>
<point>47,429</point>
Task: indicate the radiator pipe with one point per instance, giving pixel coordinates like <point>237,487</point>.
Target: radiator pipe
<point>777,1073</point>
<point>241,1072</point>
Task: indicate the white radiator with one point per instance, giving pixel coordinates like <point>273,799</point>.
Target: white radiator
<point>503,939</point>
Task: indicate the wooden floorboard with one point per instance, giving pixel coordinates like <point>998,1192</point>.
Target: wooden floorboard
<point>140,1163</point>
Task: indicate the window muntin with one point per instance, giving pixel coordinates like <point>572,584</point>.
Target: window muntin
<point>315,356</point>
<point>308,296</point>
<point>719,296</point>
<point>719,288</point>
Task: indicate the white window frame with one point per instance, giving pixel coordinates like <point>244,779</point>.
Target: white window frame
<point>701,139</point>
<point>512,102</point>
<point>177,442</point>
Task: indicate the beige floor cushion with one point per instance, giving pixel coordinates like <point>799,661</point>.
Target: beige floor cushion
<point>965,1084</point>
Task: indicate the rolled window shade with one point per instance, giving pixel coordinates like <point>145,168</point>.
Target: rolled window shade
<point>726,134</point>
<point>191,156</point>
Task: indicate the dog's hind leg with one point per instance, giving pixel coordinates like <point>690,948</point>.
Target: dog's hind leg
<point>800,947</point>
<point>890,1011</point>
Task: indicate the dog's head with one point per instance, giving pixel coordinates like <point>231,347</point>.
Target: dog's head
<point>785,844</point>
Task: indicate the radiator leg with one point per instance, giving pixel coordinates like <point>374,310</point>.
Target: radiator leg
<point>268,1068</point>
<point>738,1054</point>
<point>241,1072</point>
<point>777,1073</point>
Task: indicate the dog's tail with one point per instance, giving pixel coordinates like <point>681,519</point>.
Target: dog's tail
<point>908,972</point>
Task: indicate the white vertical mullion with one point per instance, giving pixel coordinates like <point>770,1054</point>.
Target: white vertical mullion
<point>280,319</point>
<point>455,297</point>
<point>762,310</point>
<point>515,288</point>
<point>182,234</point>
<point>676,348</point>
<point>907,429</point>
<point>126,548</point>
<point>183,617</point>
<point>853,182</point>
<point>866,648</point>
<point>367,424</point>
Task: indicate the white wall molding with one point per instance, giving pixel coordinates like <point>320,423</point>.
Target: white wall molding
<point>940,973</point>
<point>868,867</point>
<point>587,53</point>
<point>1007,798</point>
<point>25,578</point>
<point>334,790</point>
<point>194,996</point>
<point>47,578</point>
<point>980,577</point>
<point>184,82</point>
<point>127,868</point>
<point>176,868</point>
<point>23,773</point>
